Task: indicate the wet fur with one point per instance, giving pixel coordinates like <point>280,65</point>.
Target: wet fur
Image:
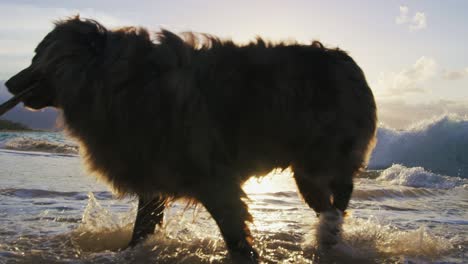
<point>194,116</point>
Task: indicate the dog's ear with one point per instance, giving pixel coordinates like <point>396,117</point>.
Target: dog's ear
<point>88,33</point>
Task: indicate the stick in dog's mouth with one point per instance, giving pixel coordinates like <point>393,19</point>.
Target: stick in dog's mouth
<point>8,105</point>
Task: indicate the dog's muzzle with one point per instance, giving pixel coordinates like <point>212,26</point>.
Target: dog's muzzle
<point>21,85</point>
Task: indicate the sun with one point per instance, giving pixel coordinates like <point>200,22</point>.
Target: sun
<point>275,181</point>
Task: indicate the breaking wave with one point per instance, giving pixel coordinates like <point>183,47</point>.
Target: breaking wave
<point>439,145</point>
<point>31,144</point>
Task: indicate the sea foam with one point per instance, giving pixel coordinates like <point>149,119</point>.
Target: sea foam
<point>419,178</point>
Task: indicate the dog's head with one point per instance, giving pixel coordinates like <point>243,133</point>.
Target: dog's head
<point>70,46</point>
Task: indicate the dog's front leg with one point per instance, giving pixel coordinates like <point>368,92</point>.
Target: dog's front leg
<point>223,202</point>
<point>150,212</point>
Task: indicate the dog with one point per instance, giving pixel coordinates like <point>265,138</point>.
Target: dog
<point>193,116</point>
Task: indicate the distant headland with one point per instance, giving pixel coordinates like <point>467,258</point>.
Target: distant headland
<point>13,126</point>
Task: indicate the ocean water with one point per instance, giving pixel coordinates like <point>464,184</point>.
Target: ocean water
<point>411,206</point>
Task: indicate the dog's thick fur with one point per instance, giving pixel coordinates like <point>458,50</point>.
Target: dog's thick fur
<point>194,116</point>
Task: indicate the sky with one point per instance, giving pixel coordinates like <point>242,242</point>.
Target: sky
<point>414,53</point>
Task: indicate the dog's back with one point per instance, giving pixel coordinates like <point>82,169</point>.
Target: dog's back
<point>274,106</point>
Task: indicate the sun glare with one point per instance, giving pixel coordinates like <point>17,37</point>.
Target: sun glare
<point>275,181</point>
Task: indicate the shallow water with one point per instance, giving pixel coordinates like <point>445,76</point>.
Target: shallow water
<point>52,212</point>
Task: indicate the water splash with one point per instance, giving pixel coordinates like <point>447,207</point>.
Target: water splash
<point>369,241</point>
<point>181,240</point>
<point>102,230</point>
<point>103,235</point>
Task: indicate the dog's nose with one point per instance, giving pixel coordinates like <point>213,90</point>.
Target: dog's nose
<point>11,87</point>
<point>20,81</point>
<point>13,84</point>
<point>8,84</point>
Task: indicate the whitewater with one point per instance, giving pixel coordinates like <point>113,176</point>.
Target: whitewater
<point>409,206</point>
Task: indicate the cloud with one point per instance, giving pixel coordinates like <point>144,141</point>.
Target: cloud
<point>455,75</point>
<point>418,22</point>
<point>409,80</point>
<point>403,17</point>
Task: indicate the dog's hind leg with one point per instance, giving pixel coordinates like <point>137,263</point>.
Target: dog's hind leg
<point>150,213</point>
<point>315,189</point>
<point>224,204</point>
